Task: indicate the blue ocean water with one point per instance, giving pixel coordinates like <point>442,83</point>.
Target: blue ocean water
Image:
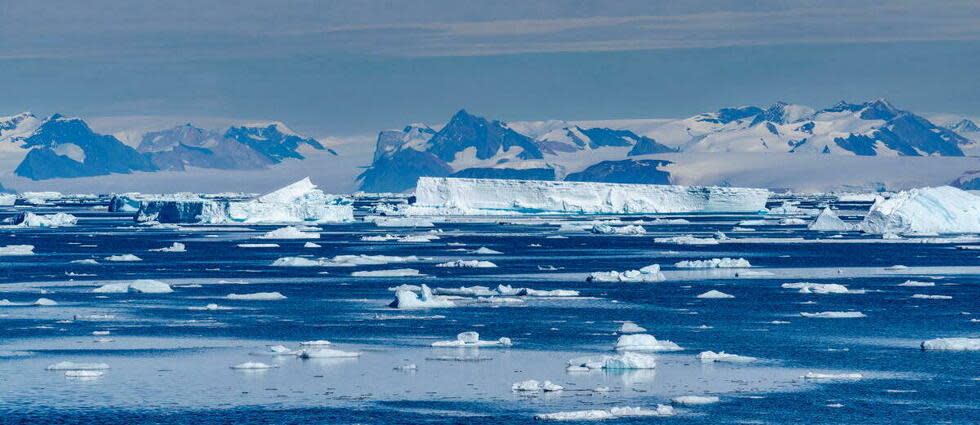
<point>170,360</point>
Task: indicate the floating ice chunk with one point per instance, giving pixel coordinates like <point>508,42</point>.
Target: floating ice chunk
<point>406,299</point>
<point>77,366</point>
<point>311,245</point>
<point>835,315</point>
<point>209,307</point>
<point>388,273</point>
<point>942,209</point>
<point>687,240</point>
<point>440,195</point>
<point>486,251</point>
<point>715,294</point>
<point>916,283</point>
<point>631,328</point>
<point>316,343</point>
<point>615,412</point>
<point>300,202</point>
<point>649,273</point>
<point>792,222</point>
<point>659,221</point>
<point>411,367</point>
<point>44,302</point>
<point>85,261</point>
<point>471,291</point>
<point>528,292</point>
<point>548,386</point>
<point>296,262</point>
<point>364,260</point>
<point>821,288</point>
<point>832,376</point>
<point>632,229</point>
<point>83,374</point>
<point>644,342</point>
<point>258,245</point>
<point>931,297</point>
<point>327,353</point>
<point>694,400</point>
<point>627,360</point>
<point>472,339</point>
<point>289,233</point>
<point>828,221</point>
<point>258,296</point>
<point>711,357</point>
<point>149,286</point>
<point>526,386</point>
<point>952,344</point>
<point>253,366</point>
<point>123,258</point>
<point>402,222</point>
<point>714,263</point>
<point>467,264</point>
<point>112,288</point>
<point>17,250</point>
<point>897,267</point>
<point>29,219</point>
<point>176,247</point>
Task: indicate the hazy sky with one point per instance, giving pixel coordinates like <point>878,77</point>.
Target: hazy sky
<point>355,67</point>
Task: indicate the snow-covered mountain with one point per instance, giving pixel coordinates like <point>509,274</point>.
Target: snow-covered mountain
<point>63,147</point>
<point>472,146</point>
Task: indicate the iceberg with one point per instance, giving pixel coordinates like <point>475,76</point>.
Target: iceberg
<point>258,296</point>
<point>535,386</point>
<point>29,219</point>
<point>176,247</point>
<point>615,412</point>
<point>327,353</point>
<point>467,264</point>
<point>472,339</point>
<point>77,366</point>
<point>931,297</point>
<point>828,221</point>
<point>714,294</point>
<point>721,356</point>
<point>300,202</point>
<point>408,299</point>
<point>694,400</point>
<point>464,196</point>
<point>633,229</point>
<point>143,286</point>
<point>649,273</point>
<point>926,210</point>
<point>952,344</point>
<point>714,263</point>
<point>289,233</point>
<point>625,361</point>
<point>388,273</point>
<point>644,342</point>
<point>17,250</point>
<point>631,328</point>
<point>821,288</point>
<point>832,376</point>
<point>123,258</point>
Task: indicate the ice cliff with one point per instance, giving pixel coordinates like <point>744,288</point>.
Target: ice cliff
<point>925,210</point>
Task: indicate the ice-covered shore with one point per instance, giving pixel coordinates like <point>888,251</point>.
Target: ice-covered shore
<point>300,202</point>
<point>463,196</point>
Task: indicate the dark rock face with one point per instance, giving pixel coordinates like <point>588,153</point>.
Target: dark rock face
<point>488,138</point>
<point>399,171</point>
<point>274,141</point>
<point>189,146</point>
<point>644,171</point>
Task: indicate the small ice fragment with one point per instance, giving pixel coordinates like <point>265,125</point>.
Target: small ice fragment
<point>123,258</point>
<point>631,328</point>
<point>289,233</point>
<point>526,386</point>
<point>711,357</point>
<point>77,366</point>
<point>327,353</point>
<point>694,400</point>
<point>258,296</point>
<point>644,342</point>
<point>311,245</point>
<point>176,247</point>
<point>832,376</point>
<point>714,294</point>
<point>835,315</point>
<point>952,344</point>
<point>253,366</point>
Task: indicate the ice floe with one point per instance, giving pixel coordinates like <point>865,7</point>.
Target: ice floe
<point>472,339</point>
<point>686,240</point>
<point>649,273</point>
<point>604,229</point>
<point>257,296</point>
<point>952,344</point>
<point>714,263</point>
<point>388,273</point>
<point>624,361</point>
<point>533,386</point>
<point>821,288</point>
<point>29,219</point>
<point>723,357</point>
<point>67,365</point>
<point>17,250</point>
<point>832,376</point>
<point>176,247</point>
<point>144,286</point>
<point>253,366</point>
<point>123,258</point>
<point>931,297</point>
<point>916,283</point>
<point>835,315</point>
<point>290,232</point>
<point>644,342</point>
<point>327,353</point>
<point>715,294</point>
<point>613,413</point>
<point>423,298</point>
<point>467,264</point>
<point>694,400</point>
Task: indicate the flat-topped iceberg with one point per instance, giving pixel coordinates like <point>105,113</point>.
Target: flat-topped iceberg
<point>927,210</point>
<point>463,196</point>
<point>300,202</point>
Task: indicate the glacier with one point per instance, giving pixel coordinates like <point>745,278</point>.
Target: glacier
<point>299,202</point>
<point>926,210</point>
<point>463,196</point>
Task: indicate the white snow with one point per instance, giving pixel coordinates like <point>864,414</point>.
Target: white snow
<point>258,296</point>
<point>952,344</point>
<point>715,294</point>
<point>409,299</point>
<point>835,315</point>
<point>644,342</point>
<point>694,400</point>
<point>723,357</point>
<point>459,196</point>
<point>289,233</point>
<point>926,210</point>
<point>472,339</point>
<point>714,263</point>
<point>17,250</point>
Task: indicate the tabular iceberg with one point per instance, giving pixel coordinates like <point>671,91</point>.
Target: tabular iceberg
<point>300,202</point>
<point>452,196</point>
<point>942,209</point>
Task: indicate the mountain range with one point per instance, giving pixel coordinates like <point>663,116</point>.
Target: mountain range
<point>472,146</point>
<point>64,147</point>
